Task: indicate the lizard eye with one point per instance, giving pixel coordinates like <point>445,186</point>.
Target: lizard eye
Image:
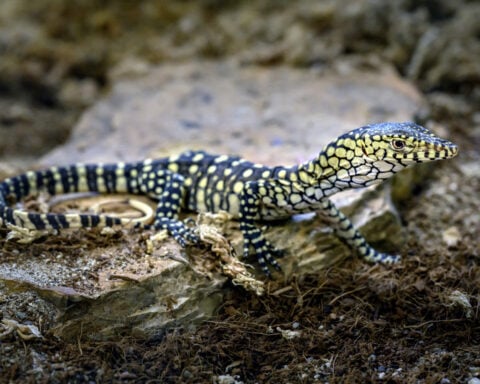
<point>397,144</point>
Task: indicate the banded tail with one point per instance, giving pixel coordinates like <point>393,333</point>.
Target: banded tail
<point>109,178</point>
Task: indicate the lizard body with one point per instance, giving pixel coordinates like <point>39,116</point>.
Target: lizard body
<point>201,182</point>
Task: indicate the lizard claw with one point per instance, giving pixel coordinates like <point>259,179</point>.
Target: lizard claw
<point>263,250</point>
<point>178,230</point>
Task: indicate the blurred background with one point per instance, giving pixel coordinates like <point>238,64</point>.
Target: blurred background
<point>58,57</point>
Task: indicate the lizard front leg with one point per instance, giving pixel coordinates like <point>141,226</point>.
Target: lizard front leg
<point>168,189</point>
<point>253,237</point>
<point>344,229</point>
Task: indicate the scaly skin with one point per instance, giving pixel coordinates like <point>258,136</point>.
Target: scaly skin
<point>200,182</point>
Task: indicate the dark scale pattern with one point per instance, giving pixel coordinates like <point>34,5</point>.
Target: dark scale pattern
<point>198,181</point>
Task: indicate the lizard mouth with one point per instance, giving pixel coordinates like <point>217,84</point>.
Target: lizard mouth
<point>366,156</point>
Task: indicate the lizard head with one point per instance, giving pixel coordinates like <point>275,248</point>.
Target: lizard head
<point>370,154</point>
<point>401,144</point>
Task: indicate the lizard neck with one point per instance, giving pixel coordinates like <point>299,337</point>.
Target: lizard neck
<point>336,168</point>
<point>322,167</point>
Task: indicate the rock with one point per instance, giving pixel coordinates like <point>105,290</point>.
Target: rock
<point>279,116</point>
<point>451,236</point>
<point>272,116</point>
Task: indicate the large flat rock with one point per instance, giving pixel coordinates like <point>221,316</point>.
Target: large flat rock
<point>273,116</point>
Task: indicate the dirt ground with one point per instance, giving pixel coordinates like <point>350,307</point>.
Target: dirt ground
<point>416,322</point>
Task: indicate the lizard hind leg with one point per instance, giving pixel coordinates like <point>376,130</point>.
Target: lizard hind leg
<point>168,189</point>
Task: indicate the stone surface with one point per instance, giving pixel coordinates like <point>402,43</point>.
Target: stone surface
<point>279,116</point>
<point>141,306</point>
<point>272,116</point>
